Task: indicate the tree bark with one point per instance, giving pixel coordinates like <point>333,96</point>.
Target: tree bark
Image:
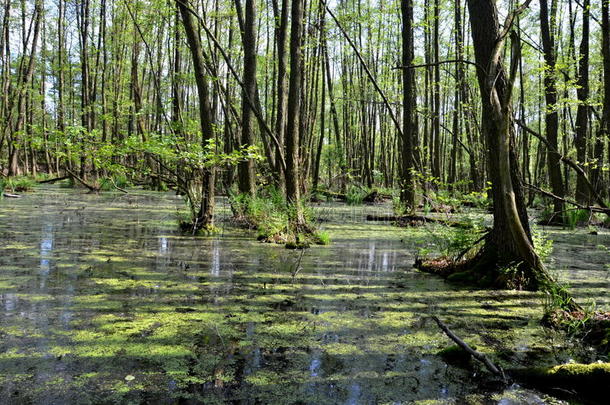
<point>407,188</point>
<point>245,168</point>
<point>205,215</point>
<point>551,115</point>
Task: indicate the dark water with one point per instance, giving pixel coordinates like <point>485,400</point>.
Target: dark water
<point>102,301</point>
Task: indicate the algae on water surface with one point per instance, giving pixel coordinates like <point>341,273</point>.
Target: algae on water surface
<point>103,301</point>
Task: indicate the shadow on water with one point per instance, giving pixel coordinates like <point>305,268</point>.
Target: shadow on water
<point>101,301</point>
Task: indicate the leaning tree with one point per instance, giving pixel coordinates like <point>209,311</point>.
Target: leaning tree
<point>507,257</point>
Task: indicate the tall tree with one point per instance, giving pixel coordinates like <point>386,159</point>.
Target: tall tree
<point>407,187</point>
<point>509,243</point>
<point>603,135</point>
<point>205,215</point>
<point>293,121</point>
<point>246,168</point>
<point>551,115</point>
<point>281,30</point>
<point>25,75</point>
<point>582,113</point>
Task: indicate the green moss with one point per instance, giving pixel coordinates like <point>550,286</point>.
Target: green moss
<point>126,294</point>
<point>589,380</point>
<point>322,238</point>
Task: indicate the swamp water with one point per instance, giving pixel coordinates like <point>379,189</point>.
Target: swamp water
<point>103,301</point>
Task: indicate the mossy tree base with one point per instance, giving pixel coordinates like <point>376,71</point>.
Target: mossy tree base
<point>586,380</point>
<point>484,269</point>
<point>296,237</point>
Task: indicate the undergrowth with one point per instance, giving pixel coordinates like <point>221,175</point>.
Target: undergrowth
<point>272,217</point>
<point>18,184</point>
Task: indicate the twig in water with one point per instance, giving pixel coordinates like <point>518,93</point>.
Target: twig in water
<point>297,266</point>
<point>477,355</point>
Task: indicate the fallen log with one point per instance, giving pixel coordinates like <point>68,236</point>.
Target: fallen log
<point>586,380</point>
<point>575,379</point>
<point>53,180</point>
<point>330,194</point>
<point>375,197</point>
<point>83,182</point>
<point>8,195</point>
<point>412,219</point>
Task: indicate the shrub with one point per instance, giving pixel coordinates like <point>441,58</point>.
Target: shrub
<point>19,184</point>
<point>355,195</point>
<point>114,182</point>
<point>270,214</point>
<point>577,217</point>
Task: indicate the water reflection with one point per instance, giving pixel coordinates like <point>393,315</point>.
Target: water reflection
<point>104,287</point>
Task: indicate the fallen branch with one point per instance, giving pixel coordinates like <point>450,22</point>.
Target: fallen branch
<point>579,170</point>
<point>7,195</point>
<point>567,201</point>
<point>413,218</point>
<point>83,182</point>
<point>330,194</point>
<point>477,355</point>
<point>53,180</point>
<point>122,190</point>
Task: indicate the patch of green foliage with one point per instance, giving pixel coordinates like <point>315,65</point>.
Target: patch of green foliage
<point>323,238</point>
<point>454,241</point>
<point>355,195</point>
<point>478,199</point>
<point>18,184</point>
<point>117,181</point>
<point>577,217</point>
<point>270,214</point>
<point>542,244</point>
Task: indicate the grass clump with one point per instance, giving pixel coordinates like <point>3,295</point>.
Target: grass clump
<point>272,217</point>
<point>355,195</point>
<point>18,184</point>
<point>577,217</point>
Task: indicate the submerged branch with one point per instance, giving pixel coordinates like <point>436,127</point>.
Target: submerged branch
<point>477,355</point>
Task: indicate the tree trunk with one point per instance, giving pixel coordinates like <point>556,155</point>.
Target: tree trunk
<point>246,168</point>
<point>509,243</point>
<point>205,215</point>
<point>294,114</point>
<point>604,128</point>
<point>551,116</point>
<point>582,114</point>
<point>407,188</point>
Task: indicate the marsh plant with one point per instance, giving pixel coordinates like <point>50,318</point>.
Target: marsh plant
<point>272,216</point>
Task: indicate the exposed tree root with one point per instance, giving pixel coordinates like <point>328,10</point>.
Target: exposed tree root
<point>487,268</point>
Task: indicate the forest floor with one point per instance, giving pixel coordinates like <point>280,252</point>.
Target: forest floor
<point>103,301</point>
